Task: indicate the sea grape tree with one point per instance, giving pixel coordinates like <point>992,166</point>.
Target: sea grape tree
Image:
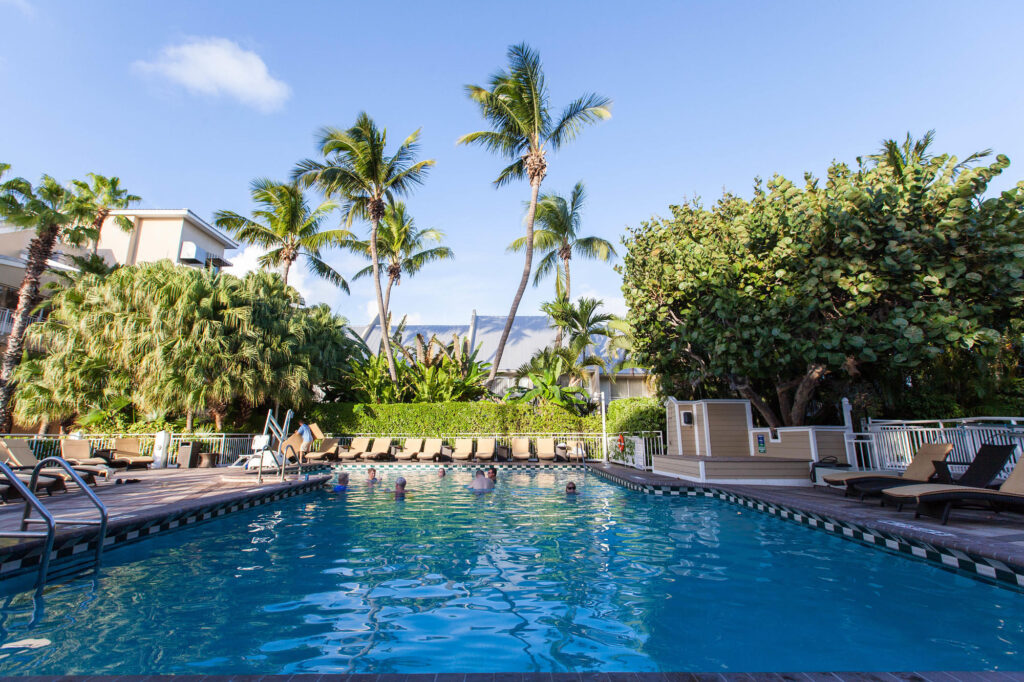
<point>892,261</point>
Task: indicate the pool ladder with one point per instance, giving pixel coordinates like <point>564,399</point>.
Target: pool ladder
<point>46,518</point>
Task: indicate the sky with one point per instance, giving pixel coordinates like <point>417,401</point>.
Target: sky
<point>187,102</point>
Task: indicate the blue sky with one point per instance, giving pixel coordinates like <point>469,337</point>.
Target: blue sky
<point>188,101</point>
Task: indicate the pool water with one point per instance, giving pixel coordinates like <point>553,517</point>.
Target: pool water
<point>521,579</point>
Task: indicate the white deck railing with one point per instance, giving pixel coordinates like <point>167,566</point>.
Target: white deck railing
<point>892,444</point>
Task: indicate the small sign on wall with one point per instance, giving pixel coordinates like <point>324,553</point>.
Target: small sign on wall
<point>762,446</point>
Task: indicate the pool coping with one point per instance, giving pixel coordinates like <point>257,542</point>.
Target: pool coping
<point>73,548</point>
<point>965,558</point>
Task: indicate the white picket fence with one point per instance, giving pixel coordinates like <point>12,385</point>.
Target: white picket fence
<point>890,444</point>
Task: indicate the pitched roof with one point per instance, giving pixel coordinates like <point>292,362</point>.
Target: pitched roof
<point>530,333</point>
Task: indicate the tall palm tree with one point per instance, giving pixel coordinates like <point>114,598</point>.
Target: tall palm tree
<point>402,248</point>
<point>52,211</point>
<point>356,168</point>
<point>516,106</point>
<point>287,226</point>
<point>105,194</point>
<point>558,237</point>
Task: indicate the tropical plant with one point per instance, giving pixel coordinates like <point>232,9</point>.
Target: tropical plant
<point>547,388</point>
<point>516,105</point>
<point>53,212</point>
<point>356,168</point>
<point>287,226</point>
<point>402,248</point>
<point>558,237</point>
<point>879,269</point>
<point>103,195</point>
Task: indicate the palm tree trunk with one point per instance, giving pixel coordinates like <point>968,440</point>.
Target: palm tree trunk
<point>568,287</point>
<point>39,251</point>
<point>530,215</point>
<point>287,267</point>
<point>387,307</point>
<point>97,225</point>
<point>189,421</point>
<point>380,297</point>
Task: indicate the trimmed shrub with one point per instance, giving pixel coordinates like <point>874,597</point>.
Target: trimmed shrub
<point>434,419</point>
<point>630,415</point>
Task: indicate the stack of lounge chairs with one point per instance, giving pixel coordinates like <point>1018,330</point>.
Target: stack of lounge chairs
<point>929,485</point>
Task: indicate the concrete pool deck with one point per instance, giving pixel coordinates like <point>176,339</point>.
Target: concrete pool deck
<point>154,501</point>
<point>981,542</point>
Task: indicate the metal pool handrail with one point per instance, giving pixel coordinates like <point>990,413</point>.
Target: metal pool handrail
<point>32,502</point>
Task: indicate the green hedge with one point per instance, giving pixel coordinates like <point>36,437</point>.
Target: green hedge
<point>432,419</point>
<point>630,415</point>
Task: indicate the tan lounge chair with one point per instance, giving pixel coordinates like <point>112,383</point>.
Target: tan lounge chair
<point>576,450</point>
<point>521,449</point>
<point>357,448</point>
<point>463,449</point>
<point>19,456</point>
<point>410,449</point>
<point>328,450</point>
<point>546,449</point>
<point>920,470</point>
<point>485,449</point>
<point>292,448</point>
<point>381,448</point>
<point>129,450</point>
<point>79,452</point>
<point>939,499</point>
<point>433,449</point>
<point>317,433</point>
<point>48,480</point>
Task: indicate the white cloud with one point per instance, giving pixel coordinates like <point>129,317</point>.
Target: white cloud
<point>217,66</point>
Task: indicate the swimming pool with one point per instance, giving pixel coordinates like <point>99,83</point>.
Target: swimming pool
<point>522,579</point>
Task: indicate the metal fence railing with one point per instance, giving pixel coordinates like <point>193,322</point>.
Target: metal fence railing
<point>891,445</point>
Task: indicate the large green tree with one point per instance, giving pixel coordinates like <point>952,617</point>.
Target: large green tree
<point>52,211</point>
<point>891,263</point>
<point>402,248</point>
<point>558,237</point>
<point>356,168</point>
<point>104,195</point>
<point>516,105</point>
<point>288,228</point>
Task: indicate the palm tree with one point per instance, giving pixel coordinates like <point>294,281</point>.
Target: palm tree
<point>53,211</point>
<point>522,130</point>
<point>357,169</point>
<point>402,248</point>
<point>581,322</point>
<point>899,156</point>
<point>558,237</point>
<point>288,228</point>
<point>105,194</point>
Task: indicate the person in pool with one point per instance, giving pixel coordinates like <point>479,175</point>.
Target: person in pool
<point>342,485</point>
<point>371,476</point>
<point>441,473</point>
<point>492,475</point>
<point>400,488</point>
<point>570,488</point>
<point>481,483</point>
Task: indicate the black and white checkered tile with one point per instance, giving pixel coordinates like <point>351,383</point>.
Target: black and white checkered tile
<point>17,560</point>
<point>951,559</point>
<point>531,466</point>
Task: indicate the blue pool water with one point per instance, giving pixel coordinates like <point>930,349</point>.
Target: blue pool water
<point>523,579</point>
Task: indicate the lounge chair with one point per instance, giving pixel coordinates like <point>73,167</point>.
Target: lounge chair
<point>357,448</point>
<point>317,433</point>
<point>484,449</point>
<point>410,449</point>
<point>79,452</point>
<point>939,499</point>
<point>463,449</point>
<point>292,448</point>
<point>381,448</point>
<point>129,450</point>
<point>920,470</point>
<point>328,450</point>
<point>19,457</point>
<point>546,449</point>
<point>576,449</point>
<point>521,449</point>
<point>432,449</point>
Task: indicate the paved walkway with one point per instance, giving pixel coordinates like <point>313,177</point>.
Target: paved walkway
<point>987,534</point>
